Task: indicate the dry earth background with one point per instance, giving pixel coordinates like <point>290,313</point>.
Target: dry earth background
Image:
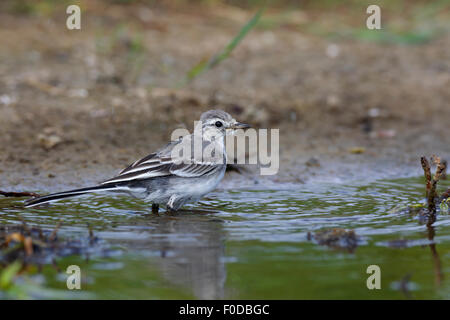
<point>76,106</point>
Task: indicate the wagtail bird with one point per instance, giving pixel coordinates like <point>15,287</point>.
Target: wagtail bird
<point>174,175</point>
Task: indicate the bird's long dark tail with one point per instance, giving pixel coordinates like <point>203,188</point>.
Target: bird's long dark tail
<point>71,193</point>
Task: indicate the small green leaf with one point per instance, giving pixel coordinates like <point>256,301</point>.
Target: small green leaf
<point>205,65</point>
<point>7,275</point>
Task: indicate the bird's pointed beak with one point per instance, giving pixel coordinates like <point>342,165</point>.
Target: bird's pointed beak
<point>239,125</point>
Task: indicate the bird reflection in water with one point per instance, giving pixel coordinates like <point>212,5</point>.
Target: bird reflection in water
<point>191,248</point>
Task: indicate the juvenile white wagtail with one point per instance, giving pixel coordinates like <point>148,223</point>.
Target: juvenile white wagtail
<point>164,179</point>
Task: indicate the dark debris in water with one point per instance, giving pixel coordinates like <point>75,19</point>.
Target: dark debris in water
<point>336,238</point>
<point>445,196</point>
<point>33,245</point>
<point>18,194</point>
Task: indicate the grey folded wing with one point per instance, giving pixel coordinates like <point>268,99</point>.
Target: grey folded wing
<point>161,164</point>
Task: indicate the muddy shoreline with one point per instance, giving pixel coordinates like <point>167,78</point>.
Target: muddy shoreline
<point>77,108</point>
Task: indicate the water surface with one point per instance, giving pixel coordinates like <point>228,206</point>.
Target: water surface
<point>253,245</point>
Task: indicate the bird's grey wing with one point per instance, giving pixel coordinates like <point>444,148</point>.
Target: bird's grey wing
<point>165,167</point>
<point>193,169</point>
<point>138,162</point>
<point>161,164</point>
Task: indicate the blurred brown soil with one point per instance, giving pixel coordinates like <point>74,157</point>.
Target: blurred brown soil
<point>77,106</point>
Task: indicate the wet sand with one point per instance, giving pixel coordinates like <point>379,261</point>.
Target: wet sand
<point>76,107</point>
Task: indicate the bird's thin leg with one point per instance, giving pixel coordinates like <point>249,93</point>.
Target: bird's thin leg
<point>155,208</point>
<point>170,204</point>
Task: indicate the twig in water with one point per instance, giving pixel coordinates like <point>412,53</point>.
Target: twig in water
<point>18,194</point>
<point>432,181</point>
<point>438,274</point>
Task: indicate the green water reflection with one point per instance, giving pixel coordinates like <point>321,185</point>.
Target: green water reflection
<point>254,246</point>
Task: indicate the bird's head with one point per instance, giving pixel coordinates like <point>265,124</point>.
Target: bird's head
<point>219,123</point>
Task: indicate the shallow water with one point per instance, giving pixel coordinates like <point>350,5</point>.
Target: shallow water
<point>254,245</point>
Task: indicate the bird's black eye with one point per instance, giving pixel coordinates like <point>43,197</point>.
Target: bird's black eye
<point>219,124</point>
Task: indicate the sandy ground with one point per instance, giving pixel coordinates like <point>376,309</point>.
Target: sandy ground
<point>77,106</point>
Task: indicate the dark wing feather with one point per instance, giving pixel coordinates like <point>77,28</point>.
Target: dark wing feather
<point>167,168</point>
<point>134,164</point>
<point>161,164</point>
<point>192,169</point>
